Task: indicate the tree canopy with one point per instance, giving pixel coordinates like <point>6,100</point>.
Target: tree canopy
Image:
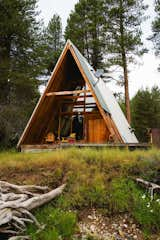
<point>20,64</point>
<point>53,42</point>
<point>146,112</point>
<point>123,37</point>
<point>85,27</point>
<point>156,29</point>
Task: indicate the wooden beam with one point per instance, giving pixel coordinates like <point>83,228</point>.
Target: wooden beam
<point>78,103</point>
<point>76,113</point>
<point>66,93</point>
<point>72,103</point>
<point>81,106</point>
<point>74,97</point>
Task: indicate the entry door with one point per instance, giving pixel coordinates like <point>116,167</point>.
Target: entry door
<point>97,131</point>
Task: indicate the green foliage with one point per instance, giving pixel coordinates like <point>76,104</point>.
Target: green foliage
<point>94,191</point>
<point>53,42</point>
<point>125,196</point>
<point>85,27</point>
<point>147,212</point>
<point>123,39</point>
<point>156,28</point>
<point>20,66</point>
<point>123,31</point>
<point>120,196</point>
<point>58,224</point>
<point>146,112</point>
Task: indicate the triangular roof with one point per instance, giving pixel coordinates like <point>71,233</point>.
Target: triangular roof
<point>108,106</point>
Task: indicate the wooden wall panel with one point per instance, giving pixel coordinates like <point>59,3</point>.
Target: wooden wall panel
<point>97,131</point>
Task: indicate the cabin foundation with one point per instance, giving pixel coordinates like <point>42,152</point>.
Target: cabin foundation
<point>53,147</point>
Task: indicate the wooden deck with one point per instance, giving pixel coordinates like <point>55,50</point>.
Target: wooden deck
<point>51,147</point>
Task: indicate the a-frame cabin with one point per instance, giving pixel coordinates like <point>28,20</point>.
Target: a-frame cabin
<point>76,107</point>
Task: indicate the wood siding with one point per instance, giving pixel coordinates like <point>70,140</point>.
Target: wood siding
<point>97,131</point>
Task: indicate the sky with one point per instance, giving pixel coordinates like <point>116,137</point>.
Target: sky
<point>142,75</point>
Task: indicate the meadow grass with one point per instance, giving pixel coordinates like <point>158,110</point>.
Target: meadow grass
<point>103,179</point>
<point>109,156</point>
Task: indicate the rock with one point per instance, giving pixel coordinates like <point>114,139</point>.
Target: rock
<point>121,233</point>
<point>133,226</point>
<point>119,227</point>
<point>114,225</point>
<point>125,225</point>
<point>92,228</point>
<point>135,237</point>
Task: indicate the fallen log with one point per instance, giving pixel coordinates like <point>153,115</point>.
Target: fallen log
<point>25,189</point>
<point>152,187</point>
<point>16,202</point>
<point>20,238</point>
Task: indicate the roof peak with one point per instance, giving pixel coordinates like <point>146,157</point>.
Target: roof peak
<point>69,42</point>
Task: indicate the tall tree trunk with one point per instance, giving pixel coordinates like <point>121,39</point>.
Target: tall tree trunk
<point>124,64</point>
<point>4,70</point>
<point>126,87</point>
<point>87,47</point>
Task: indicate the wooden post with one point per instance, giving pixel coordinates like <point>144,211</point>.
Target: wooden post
<point>71,124</point>
<point>84,121</point>
<point>59,125</point>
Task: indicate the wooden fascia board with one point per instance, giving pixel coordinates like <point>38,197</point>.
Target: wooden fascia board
<point>42,98</point>
<point>111,126</point>
<point>116,130</point>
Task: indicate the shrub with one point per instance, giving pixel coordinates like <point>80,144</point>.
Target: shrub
<point>121,195</point>
<point>147,213</point>
<point>125,196</point>
<point>58,224</point>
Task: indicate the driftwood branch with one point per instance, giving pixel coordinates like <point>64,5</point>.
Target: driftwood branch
<point>20,238</point>
<point>16,202</point>
<point>152,187</point>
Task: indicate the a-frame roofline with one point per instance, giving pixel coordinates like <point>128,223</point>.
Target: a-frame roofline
<point>87,73</point>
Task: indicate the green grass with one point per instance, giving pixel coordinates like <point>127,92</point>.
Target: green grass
<point>58,224</point>
<point>125,196</point>
<point>103,179</point>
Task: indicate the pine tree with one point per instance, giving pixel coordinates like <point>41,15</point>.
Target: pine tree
<point>20,64</point>
<point>19,43</point>
<point>85,27</point>
<point>53,42</point>
<point>123,37</point>
<point>146,112</point>
<point>156,28</point>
